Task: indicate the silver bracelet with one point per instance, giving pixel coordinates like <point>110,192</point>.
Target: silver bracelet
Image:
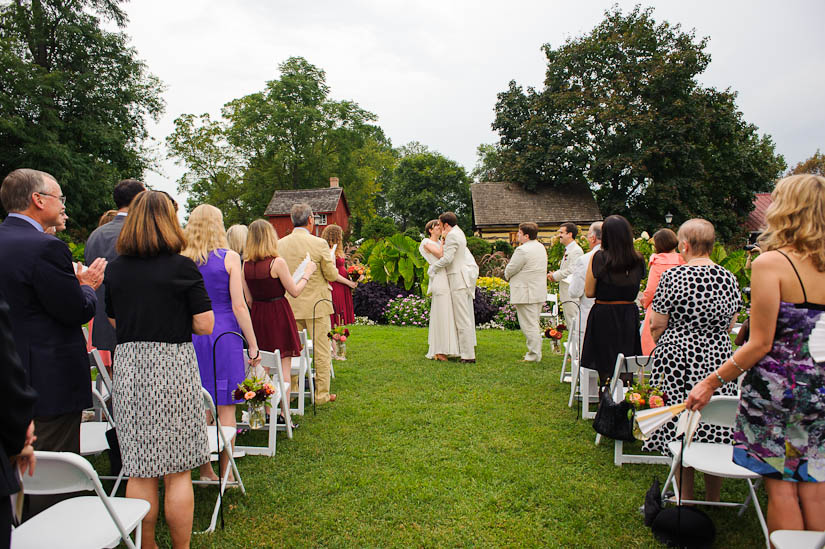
<point>736,365</point>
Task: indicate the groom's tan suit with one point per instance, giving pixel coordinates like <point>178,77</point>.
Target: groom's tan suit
<point>462,281</point>
<point>293,248</point>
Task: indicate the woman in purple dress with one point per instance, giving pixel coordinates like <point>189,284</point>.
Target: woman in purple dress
<point>780,425</point>
<point>221,270</point>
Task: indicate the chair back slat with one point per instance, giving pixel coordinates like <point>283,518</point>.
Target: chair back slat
<point>58,473</point>
<point>96,362</point>
<point>721,410</point>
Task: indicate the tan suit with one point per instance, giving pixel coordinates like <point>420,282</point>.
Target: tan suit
<point>570,305</point>
<point>527,273</point>
<point>310,310</point>
<point>462,272</point>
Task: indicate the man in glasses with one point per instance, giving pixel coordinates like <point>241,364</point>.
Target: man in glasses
<point>48,304</point>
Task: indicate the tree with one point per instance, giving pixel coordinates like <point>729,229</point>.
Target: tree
<point>621,110</point>
<point>425,184</point>
<point>290,135</point>
<point>814,165</point>
<point>74,100</point>
<point>488,164</point>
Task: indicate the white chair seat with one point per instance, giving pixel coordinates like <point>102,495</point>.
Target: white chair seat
<point>93,437</point>
<point>797,539</point>
<point>712,458</point>
<point>57,526</point>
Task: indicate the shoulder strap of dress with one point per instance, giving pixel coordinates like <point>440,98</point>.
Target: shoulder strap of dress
<point>804,295</point>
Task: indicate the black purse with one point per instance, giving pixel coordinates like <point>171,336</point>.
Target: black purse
<point>614,419</point>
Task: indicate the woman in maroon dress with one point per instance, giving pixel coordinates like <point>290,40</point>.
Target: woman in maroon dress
<point>267,280</point>
<point>342,286</point>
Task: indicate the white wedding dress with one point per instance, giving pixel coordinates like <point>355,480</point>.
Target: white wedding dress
<point>443,337</point>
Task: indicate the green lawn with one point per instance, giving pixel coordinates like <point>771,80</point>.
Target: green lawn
<point>423,454</point>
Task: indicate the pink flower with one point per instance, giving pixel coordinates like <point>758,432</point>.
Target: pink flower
<point>249,395</point>
<point>336,337</point>
<point>343,339</point>
<point>656,401</point>
<point>635,398</point>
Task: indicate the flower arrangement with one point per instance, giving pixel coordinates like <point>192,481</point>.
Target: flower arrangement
<point>493,283</point>
<point>339,333</point>
<point>555,335</point>
<point>409,310</point>
<point>643,395</point>
<point>356,271</point>
<point>253,389</point>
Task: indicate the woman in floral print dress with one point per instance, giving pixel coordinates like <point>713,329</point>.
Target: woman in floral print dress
<point>780,426</point>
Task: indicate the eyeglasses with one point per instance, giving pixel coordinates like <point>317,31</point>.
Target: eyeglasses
<point>61,198</point>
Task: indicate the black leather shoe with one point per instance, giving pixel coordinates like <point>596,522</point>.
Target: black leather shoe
<point>468,361</point>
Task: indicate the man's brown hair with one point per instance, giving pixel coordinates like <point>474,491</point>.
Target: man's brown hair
<point>151,228</point>
<point>530,229</point>
<point>449,218</point>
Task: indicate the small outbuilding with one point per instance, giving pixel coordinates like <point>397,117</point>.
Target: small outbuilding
<point>756,219</point>
<point>499,207</point>
<point>329,205</point>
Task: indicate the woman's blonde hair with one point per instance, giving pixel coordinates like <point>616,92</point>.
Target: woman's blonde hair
<point>107,216</point>
<point>151,228</point>
<point>261,242</point>
<point>796,218</point>
<point>334,234</point>
<point>236,237</point>
<point>204,233</point>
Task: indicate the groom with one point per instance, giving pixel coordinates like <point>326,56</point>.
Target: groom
<point>462,273</point>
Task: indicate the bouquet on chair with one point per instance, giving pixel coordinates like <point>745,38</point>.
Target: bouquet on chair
<point>643,396</point>
<point>255,391</point>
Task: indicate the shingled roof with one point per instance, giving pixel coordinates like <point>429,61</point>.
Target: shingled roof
<point>507,204</point>
<point>323,200</point>
<point>756,219</point>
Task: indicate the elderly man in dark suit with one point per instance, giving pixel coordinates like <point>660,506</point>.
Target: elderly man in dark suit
<point>101,243</point>
<point>49,302</point>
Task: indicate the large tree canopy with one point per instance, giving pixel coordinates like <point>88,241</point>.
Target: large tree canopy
<point>74,99</point>
<point>290,135</point>
<point>621,109</point>
<point>425,184</point>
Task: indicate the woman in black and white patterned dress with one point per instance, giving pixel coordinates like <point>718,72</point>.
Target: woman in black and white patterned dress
<point>692,314</point>
<point>156,298</point>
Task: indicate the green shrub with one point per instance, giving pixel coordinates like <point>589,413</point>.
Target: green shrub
<point>379,227</point>
<point>478,247</point>
<point>410,310</point>
<point>503,246</point>
<point>396,259</point>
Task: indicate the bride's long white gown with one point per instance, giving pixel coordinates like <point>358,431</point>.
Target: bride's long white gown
<point>443,337</point>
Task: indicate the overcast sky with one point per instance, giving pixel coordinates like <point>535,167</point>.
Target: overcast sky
<point>430,70</point>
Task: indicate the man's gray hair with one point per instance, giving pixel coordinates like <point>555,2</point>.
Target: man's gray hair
<point>18,186</point>
<point>300,214</point>
<point>596,230</point>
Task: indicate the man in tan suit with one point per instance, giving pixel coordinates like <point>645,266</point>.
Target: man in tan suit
<point>572,251</point>
<point>462,273</point>
<point>314,318</point>
<point>527,273</point>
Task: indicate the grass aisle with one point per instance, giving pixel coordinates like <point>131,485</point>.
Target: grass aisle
<point>423,454</point>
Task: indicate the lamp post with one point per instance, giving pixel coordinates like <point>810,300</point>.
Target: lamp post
<point>668,218</point>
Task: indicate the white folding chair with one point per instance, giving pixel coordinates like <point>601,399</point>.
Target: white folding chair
<point>797,539</point>
<point>630,365</point>
<point>79,522</point>
<point>715,459</point>
<point>102,382</point>
<point>277,402</point>
<point>93,433</point>
<point>303,368</point>
<point>220,441</point>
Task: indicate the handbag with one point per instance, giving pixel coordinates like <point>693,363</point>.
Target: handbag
<point>614,419</point>
<point>744,332</point>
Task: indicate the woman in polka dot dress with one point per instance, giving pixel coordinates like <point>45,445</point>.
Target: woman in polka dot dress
<point>693,311</point>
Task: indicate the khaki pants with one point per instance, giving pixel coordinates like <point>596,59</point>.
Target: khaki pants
<point>464,322</point>
<point>528,321</point>
<point>323,359</point>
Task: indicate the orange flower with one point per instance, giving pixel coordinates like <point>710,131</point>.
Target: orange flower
<point>269,389</point>
<point>249,395</point>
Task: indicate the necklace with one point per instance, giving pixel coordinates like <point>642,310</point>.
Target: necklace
<point>700,259</point>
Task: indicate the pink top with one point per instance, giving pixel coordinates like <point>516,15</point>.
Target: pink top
<point>659,263</point>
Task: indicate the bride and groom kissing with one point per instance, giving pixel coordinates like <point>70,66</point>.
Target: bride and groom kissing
<point>453,272</point>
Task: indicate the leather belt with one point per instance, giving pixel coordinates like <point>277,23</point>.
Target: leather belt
<point>602,302</point>
<point>268,300</point>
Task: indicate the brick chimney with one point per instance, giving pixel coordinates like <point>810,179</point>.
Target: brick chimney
<point>333,182</point>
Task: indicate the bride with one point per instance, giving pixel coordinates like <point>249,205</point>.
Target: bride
<point>443,338</point>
